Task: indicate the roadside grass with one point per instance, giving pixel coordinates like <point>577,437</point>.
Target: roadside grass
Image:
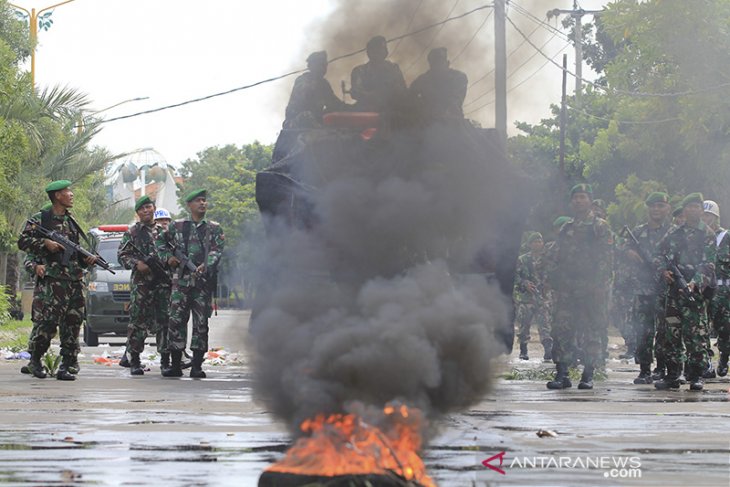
<point>14,335</point>
<point>548,373</point>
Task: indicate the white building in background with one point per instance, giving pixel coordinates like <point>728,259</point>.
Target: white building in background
<point>143,172</point>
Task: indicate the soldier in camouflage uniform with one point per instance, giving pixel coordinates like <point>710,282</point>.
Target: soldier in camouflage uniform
<point>648,309</point>
<point>691,247</point>
<point>531,295</point>
<point>719,306</point>
<point>311,96</point>
<point>201,242</point>
<point>150,286</point>
<point>60,302</point>
<point>581,279</point>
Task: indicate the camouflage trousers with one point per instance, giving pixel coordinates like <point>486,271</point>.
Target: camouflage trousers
<point>57,305</point>
<point>622,316</point>
<point>647,315</point>
<point>687,336</point>
<point>578,315</point>
<point>528,314</point>
<point>719,311</point>
<point>185,300</point>
<point>148,315</point>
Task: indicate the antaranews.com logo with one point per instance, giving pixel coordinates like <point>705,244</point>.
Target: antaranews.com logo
<point>615,467</point>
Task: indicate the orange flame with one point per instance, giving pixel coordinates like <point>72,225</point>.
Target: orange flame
<point>343,444</point>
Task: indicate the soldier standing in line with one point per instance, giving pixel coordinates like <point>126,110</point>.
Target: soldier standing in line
<point>530,295</point>
<point>150,286</point>
<point>62,299</point>
<point>193,247</point>
<point>648,291</point>
<point>582,279</point>
<point>689,250</point>
<point>719,306</point>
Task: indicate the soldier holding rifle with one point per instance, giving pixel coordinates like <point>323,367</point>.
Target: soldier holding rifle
<point>193,247</point>
<point>53,237</point>
<point>150,286</point>
<point>648,309</point>
<point>686,261</point>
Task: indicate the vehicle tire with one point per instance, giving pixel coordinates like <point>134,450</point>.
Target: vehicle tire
<point>91,339</point>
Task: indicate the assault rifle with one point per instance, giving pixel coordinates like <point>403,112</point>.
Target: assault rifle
<point>158,270</point>
<point>679,279</point>
<point>70,248</point>
<point>185,261</point>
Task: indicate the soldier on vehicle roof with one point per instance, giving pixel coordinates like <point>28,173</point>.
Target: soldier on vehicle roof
<point>377,85</point>
<point>311,96</point>
<point>439,92</point>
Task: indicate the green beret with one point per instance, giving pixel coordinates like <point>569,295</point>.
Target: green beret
<point>534,236</point>
<point>194,194</point>
<point>58,185</point>
<point>143,200</point>
<point>693,198</point>
<point>582,188</point>
<point>560,221</point>
<point>47,206</point>
<point>677,211</point>
<point>657,197</point>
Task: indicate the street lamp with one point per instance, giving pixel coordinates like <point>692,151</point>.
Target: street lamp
<point>33,23</point>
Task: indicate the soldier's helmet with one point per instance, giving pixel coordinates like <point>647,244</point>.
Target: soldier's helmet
<point>162,213</point>
<point>711,207</point>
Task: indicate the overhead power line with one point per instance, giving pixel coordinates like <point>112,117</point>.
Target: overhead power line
<point>433,38</point>
<point>463,49</point>
<point>292,73</point>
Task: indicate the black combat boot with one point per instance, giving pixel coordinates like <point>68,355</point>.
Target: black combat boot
<point>696,383</point>
<point>709,373</point>
<point>124,361</point>
<point>174,370</point>
<point>659,371</point>
<point>25,369</point>
<point>164,361</point>
<point>62,373</point>
<point>196,371</point>
<point>644,375</point>
<point>548,346</point>
<point>586,380</point>
<point>670,379</point>
<point>74,367</point>
<point>135,366</point>
<point>523,352</point>
<point>36,368</point>
<point>722,365</point>
<point>561,381</point>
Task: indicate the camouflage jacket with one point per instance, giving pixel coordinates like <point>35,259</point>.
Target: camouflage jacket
<point>530,269</point>
<point>583,257</point>
<point>311,95</point>
<point>31,243</point>
<point>143,237</point>
<point>693,250</point>
<point>647,281</point>
<point>206,234</point>
<point>722,261</point>
<point>377,86</point>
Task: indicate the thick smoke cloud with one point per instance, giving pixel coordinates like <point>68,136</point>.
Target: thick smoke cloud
<point>377,301</point>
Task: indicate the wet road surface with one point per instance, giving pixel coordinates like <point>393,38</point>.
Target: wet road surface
<point>109,428</point>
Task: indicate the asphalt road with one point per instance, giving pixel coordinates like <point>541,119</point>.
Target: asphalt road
<point>109,428</point>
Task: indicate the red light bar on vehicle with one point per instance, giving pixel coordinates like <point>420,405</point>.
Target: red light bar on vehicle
<point>113,228</point>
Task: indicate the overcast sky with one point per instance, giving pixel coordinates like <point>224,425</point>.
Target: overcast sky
<point>176,50</point>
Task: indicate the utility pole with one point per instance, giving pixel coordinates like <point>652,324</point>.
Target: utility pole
<point>563,116</point>
<point>577,13</point>
<point>500,72</point>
